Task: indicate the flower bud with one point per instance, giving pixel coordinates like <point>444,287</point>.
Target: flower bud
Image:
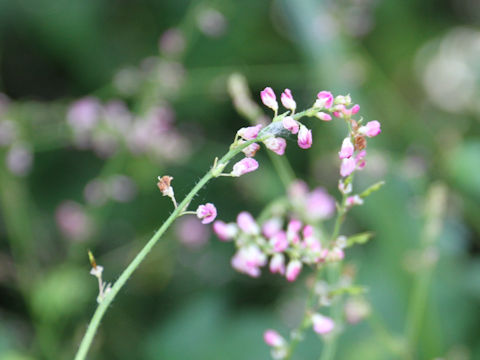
<point>269,99</point>
<point>224,231</point>
<point>304,137</point>
<point>247,223</point>
<point>273,338</point>
<point>293,270</point>
<point>287,100</point>
<point>279,242</point>
<point>347,149</point>
<point>244,166</point>
<point>326,97</point>
<point>322,324</point>
<point>277,145</point>
<point>207,213</point>
<point>354,200</point>
<point>323,116</point>
<point>250,133</point>
<point>290,124</point>
<point>371,129</point>
<point>347,167</point>
<point>277,264</point>
<point>164,185</point>
<point>251,150</point>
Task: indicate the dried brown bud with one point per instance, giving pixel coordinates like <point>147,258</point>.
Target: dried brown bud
<point>354,125</point>
<point>164,185</point>
<point>360,142</point>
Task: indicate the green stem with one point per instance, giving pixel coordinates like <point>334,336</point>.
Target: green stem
<point>127,273</point>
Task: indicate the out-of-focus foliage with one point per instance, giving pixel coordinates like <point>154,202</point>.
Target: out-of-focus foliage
<point>163,108</point>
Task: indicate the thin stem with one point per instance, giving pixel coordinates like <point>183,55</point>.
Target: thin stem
<point>127,273</point>
<point>299,331</point>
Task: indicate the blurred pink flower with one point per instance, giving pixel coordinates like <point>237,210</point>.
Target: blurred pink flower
<point>320,205</point>
<point>294,268</point>
<point>225,231</point>
<point>323,116</point>
<point>304,137</point>
<point>277,145</point>
<point>347,149</point>
<point>273,338</point>
<point>322,324</point>
<point>371,129</point>
<point>250,133</point>
<point>244,166</point>
<point>72,221</point>
<point>290,124</point>
<point>277,264</point>
<point>191,232</point>
<point>248,260</point>
<point>247,223</point>
<point>347,166</point>
<point>326,97</point>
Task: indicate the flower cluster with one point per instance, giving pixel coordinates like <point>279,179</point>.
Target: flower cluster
<point>283,241</point>
<point>105,128</point>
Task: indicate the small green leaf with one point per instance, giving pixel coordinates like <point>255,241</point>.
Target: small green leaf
<point>361,238</point>
<point>372,189</point>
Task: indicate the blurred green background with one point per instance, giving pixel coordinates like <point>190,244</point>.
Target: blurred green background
<point>413,65</point>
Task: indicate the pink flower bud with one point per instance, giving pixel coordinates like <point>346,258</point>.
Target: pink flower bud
<point>322,324</point>
<point>191,232</point>
<point>304,137</point>
<point>293,270</point>
<point>248,260</point>
<point>224,231</point>
<point>247,223</point>
<point>335,254</point>
<point>294,226</point>
<point>207,213</point>
<point>347,149</point>
<point>249,133</point>
<point>326,97</point>
<point>354,200</point>
<point>355,109</point>
<point>347,167</point>
<point>273,338</point>
<point>277,264</point>
<point>360,159</point>
<point>323,116</point>
<point>307,231</point>
<point>287,100</point>
<point>269,99</point>
<point>290,124</point>
<point>371,129</point>
<point>356,310</point>
<point>277,145</point>
<point>271,227</point>
<point>244,166</point>
<point>251,150</point>
<point>279,242</point>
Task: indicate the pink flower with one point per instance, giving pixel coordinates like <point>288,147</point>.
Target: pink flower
<point>269,99</point>
<point>347,167</point>
<point>224,231</point>
<point>356,310</point>
<point>287,100</point>
<point>294,226</point>
<point>319,205</point>
<point>304,137</point>
<point>290,124</point>
<point>323,116</point>
<point>247,223</point>
<point>277,145</point>
<point>277,264</point>
<point>371,129</point>
<point>297,191</point>
<point>273,338</point>
<point>251,150</point>
<point>248,260</point>
<point>279,242</point>
<point>360,159</point>
<point>322,324</point>
<point>354,200</point>
<point>207,213</point>
<point>271,227</point>
<point>347,149</point>
<point>307,231</point>
<point>84,114</point>
<point>326,97</point>
<point>355,109</point>
<point>249,133</point>
<point>244,166</point>
<point>293,270</point>
<point>191,232</point>
<point>73,221</point>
